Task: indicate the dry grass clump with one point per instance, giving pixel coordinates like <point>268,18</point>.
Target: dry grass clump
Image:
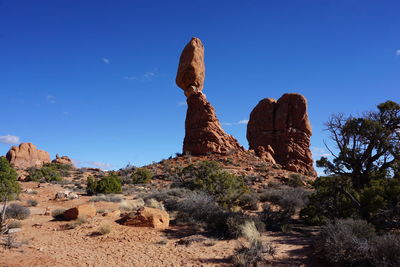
<point>105,228</point>
<point>252,254</point>
<point>79,221</point>
<point>106,198</point>
<point>131,205</point>
<point>58,214</point>
<point>32,202</point>
<point>152,203</point>
<point>14,224</point>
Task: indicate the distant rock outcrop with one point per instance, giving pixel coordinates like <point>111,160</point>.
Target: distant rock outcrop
<point>203,132</point>
<point>27,155</point>
<point>283,125</point>
<point>63,160</point>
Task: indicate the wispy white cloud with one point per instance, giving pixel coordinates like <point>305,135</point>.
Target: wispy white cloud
<point>99,164</point>
<point>9,139</point>
<point>131,78</point>
<point>51,99</point>
<point>319,152</point>
<point>106,60</point>
<point>150,75</point>
<point>66,113</point>
<point>398,52</point>
<point>145,77</point>
<point>235,123</point>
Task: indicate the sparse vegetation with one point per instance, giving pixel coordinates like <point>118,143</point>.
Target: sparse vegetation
<point>9,189</point>
<point>106,198</point>
<point>105,229</point>
<point>14,224</point>
<point>17,211</point>
<point>152,203</point>
<point>110,184</point>
<point>141,176</point>
<point>58,214</point>
<point>252,254</point>
<point>79,221</point>
<point>354,242</point>
<point>364,176</point>
<point>208,176</point>
<point>50,172</point>
<point>32,202</point>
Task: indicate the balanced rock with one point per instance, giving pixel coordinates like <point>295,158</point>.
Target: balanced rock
<point>27,155</point>
<point>191,70</point>
<point>63,160</point>
<point>203,132</point>
<point>85,210</point>
<point>146,217</point>
<point>283,125</point>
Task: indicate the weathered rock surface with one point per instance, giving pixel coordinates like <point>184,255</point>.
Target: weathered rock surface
<point>63,160</point>
<point>86,210</point>
<point>284,126</point>
<point>27,155</point>
<point>203,132</point>
<point>146,217</point>
<point>191,69</point>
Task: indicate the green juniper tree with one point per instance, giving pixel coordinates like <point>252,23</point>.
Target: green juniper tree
<point>9,188</point>
<point>364,175</point>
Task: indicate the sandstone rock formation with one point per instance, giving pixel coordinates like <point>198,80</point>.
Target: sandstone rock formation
<point>146,217</point>
<point>203,132</point>
<point>63,160</point>
<point>284,126</point>
<point>27,155</point>
<point>191,70</point>
<point>86,210</point>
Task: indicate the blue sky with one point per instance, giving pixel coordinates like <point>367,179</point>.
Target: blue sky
<point>94,80</point>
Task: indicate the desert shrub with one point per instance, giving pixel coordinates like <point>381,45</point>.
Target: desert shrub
<point>346,241</point>
<point>248,202</point>
<point>335,197</point>
<point>16,211</point>
<point>9,186</point>
<point>208,176</point>
<point>131,205</point>
<point>252,254</point>
<point>10,241</point>
<point>332,198</point>
<point>152,203</point>
<point>79,221</point>
<point>295,180</point>
<point>32,202</point>
<point>105,185</point>
<point>199,205</point>
<point>274,219</point>
<point>141,176</point>
<point>236,220</point>
<point>50,172</point>
<point>32,192</point>
<point>201,209</point>
<point>170,197</point>
<point>105,229</point>
<point>58,214</point>
<point>106,198</point>
<point>386,250</point>
<point>14,224</point>
<point>289,201</point>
